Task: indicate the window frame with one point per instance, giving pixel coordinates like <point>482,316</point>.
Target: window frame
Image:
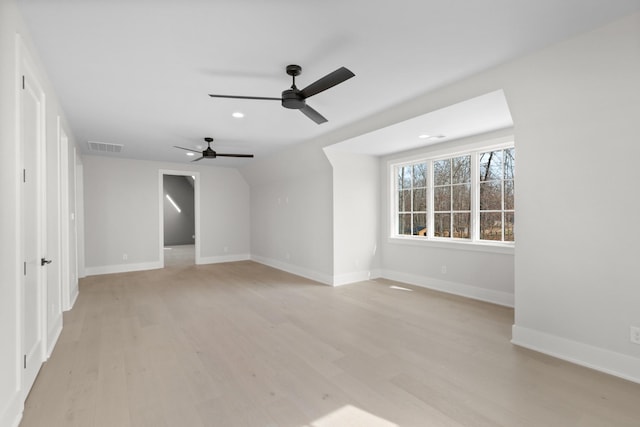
<point>429,157</point>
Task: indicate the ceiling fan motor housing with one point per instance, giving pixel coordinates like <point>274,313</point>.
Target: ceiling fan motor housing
<point>291,99</point>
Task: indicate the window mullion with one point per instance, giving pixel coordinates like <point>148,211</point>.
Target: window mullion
<point>475,196</point>
<point>430,206</point>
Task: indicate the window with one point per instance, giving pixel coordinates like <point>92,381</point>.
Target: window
<point>496,195</point>
<point>452,197</point>
<point>465,197</point>
<point>412,199</point>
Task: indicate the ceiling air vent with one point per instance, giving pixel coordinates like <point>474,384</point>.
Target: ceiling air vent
<point>104,147</point>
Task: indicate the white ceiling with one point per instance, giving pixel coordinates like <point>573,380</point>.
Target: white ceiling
<point>471,117</point>
<point>137,72</point>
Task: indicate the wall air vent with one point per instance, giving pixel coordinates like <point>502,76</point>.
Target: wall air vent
<point>104,147</point>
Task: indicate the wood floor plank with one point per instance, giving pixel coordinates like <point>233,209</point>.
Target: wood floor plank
<point>242,344</point>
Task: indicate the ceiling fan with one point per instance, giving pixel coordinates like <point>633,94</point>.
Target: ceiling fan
<point>295,98</point>
<point>210,154</point>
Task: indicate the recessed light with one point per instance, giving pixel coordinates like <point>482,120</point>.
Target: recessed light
<point>190,154</point>
<point>426,136</point>
<point>238,115</point>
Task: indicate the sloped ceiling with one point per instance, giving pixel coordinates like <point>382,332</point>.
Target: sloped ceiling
<point>137,72</point>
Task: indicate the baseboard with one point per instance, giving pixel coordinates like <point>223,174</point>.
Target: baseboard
<point>357,276</point>
<point>121,268</point>
<point>468,291</point>
<point>74,296</point>
<point>294,269</point>
<point>53,336</point>
<point>12,414</point>
<point>223,258</point>
<point>617,364</point>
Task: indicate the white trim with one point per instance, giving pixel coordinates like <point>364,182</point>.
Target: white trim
<point>54,335</point>
<point>196,211</point>
<point>354,277</point>
<point>495,297</point>
<point>74,297</point>
<point>294,269</point>
<point>64,217</point>
<point>223,258</point>
<point>122,268</point>
<point>12,414</point>
<point>617,364</point>
<point>455,244</point>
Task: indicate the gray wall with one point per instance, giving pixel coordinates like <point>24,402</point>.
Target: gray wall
<point>179,227</point>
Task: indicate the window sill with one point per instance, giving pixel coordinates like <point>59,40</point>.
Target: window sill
<point>461,245</point>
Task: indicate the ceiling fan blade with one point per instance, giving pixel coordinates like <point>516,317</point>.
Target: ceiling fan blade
<point>313,114</point>
<point>188,149</point>
<point>245,97</point>
<point>234,155</point>
<point>326,82</point>
<point>199,158</point>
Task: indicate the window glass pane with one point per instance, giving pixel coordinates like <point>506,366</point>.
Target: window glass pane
<point>508,195</point>
<point>508,226</point>
<point>404,224</point>
<point>404,201</point>
<point>420,200</point>
<point>420,175</point>
<point>442,198</point>
<point>461,170</point>
<point>420,224</point>
<point>404,177</point>
<point>442,172</point>
<point>462,197</point>
<point>442,225</point>
<point>461,225</point>
<point>509,163</point>
<point>490,225</point>
<point>491,195</point>
<point>491,165</point>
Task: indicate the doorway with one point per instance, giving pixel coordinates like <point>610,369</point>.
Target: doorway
<point>179,236</point>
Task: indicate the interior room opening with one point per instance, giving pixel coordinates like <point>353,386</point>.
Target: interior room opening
<point>179,220</point>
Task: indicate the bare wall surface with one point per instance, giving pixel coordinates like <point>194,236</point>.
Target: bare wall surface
<point>122,213</point>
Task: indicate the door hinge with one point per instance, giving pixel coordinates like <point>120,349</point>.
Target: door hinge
<point>25,268</point>
<point>22,82</point>
<point>24,175</point>
<point>25,361</point>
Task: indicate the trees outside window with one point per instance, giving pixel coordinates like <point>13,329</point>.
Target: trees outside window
<point>468,196</point>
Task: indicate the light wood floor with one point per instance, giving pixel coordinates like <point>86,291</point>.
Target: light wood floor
<point>241,344</point>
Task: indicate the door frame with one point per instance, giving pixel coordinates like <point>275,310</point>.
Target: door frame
<point>196,208</point>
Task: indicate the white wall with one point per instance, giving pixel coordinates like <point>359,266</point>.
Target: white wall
<point>356,216</point>
<point>576,108</point>
<point>11,25</point>
<point>291,211</point>
<point>122,213</point>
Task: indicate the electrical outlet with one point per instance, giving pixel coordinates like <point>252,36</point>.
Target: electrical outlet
<point>125,257</point>
<point>443,269</point>
<point>634,334</point>
<point>226,249</point>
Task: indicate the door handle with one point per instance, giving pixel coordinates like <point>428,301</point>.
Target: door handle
<point>44,261</point>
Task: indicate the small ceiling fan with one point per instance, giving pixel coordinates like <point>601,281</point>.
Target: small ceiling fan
<point>295,98</point>
<point>210,154</point>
